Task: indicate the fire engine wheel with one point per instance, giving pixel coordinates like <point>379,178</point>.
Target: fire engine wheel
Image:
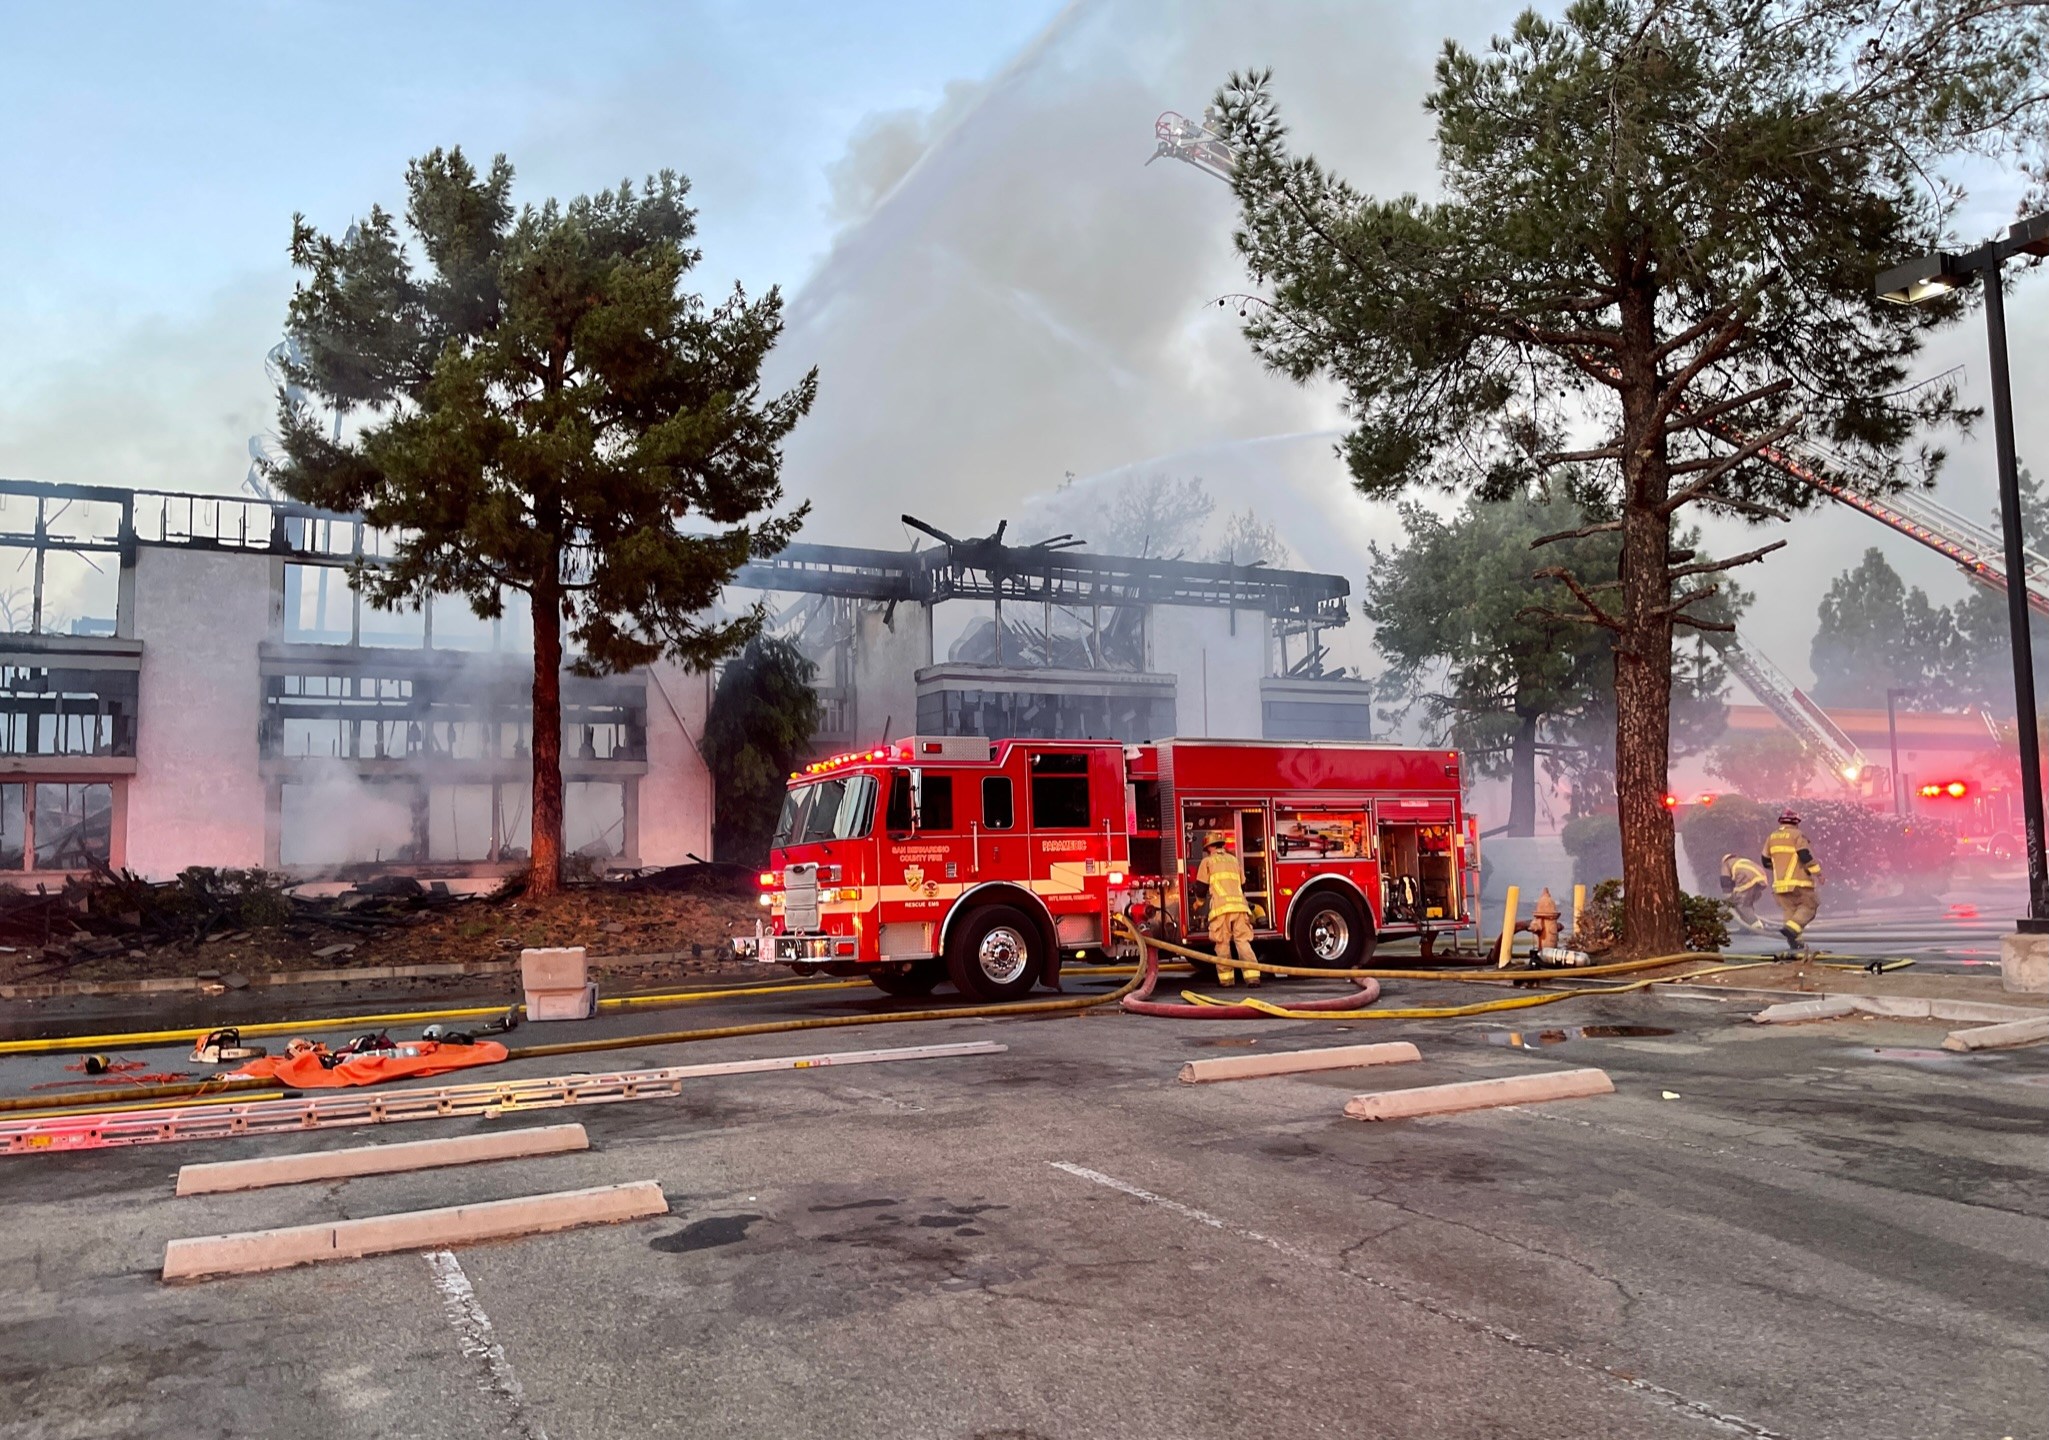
<point>995,955</point>
<point>1328,932</point>
<point>922,977</point>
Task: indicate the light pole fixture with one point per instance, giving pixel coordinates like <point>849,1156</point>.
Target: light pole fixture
<point>1910,284</point>
<point>1892,739</point>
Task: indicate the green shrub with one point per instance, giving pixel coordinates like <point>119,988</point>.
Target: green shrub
<point>1733,825</point>
<point>1863,850</point>
<point>1707,920</point>
<point>1595,844</point>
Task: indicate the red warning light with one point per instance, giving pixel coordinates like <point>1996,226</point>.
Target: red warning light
<point>1707,797</point>
<point>1671,802</point>
<point>1945,790</point>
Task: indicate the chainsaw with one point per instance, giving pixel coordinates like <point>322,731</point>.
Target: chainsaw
<point>221,1047</point>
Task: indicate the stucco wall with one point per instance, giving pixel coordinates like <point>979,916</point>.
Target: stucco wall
<point>197,796</point>
<point>675,794</point>
<point>1186,642</point>
<point>887,659</point>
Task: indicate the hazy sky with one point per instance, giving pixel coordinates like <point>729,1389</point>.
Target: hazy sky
<point>154,153</point>
<point>996,290</point>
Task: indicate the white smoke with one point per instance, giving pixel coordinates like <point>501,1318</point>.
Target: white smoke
<point>336,818</point>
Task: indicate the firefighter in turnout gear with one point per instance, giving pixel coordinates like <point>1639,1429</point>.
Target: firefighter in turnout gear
<point>1795,873</point>
<point>1744,883</point>
<point>1222,878</point>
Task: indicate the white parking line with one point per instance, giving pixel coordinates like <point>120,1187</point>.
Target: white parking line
<point>1670,1399</point>
<point>480,1342</point>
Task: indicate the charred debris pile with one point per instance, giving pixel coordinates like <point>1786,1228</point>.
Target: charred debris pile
<point>109,924</point>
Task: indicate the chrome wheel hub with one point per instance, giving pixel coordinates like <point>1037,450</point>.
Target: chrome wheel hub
<point>1329,935</point>
<point>1002,955</point>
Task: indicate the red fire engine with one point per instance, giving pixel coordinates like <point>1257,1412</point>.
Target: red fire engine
<point>984,861</point>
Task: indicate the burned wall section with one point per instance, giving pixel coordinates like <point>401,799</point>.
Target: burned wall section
<point>424,757</point>
<point>196,797</point>
<point>242,705</point>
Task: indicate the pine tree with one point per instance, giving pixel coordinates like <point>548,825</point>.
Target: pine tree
<point>542,407</point>
<point>762,718</point>
<point>1660,218</point>
<point>1980,671</point>
<point>1463,627</point>
<point>1875,634</point>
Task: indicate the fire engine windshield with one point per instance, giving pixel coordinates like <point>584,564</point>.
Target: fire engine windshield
<point>836,809</point>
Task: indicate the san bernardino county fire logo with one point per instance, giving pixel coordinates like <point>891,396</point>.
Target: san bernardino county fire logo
<point>914,879</point>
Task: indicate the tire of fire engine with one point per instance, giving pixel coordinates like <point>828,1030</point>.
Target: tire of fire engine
<point>922,978</point>
<point>996,954</point>
<point>1328,931</point>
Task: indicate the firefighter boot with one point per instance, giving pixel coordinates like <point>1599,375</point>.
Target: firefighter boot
<point>1795,946</point>
<point>1226,975</point>
<point>1251,977</point>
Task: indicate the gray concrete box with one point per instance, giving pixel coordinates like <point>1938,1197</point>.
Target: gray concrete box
<point>2024,962</point>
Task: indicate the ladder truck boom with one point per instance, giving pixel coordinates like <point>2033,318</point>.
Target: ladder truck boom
<point>1794,709</point>
<point>1196,143</point>
<point>1977,550</point>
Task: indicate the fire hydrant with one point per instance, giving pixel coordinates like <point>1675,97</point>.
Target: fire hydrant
<point>1544,920</point>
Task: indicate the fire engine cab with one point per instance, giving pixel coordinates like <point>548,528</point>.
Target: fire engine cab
<point>983,862</point>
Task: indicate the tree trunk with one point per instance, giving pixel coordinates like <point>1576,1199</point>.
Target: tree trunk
<point>1653,922</point>
<point>1522,777</point>
<point>545,868</point>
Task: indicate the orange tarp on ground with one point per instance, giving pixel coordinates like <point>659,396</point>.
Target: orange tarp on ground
<point>428,1057</point>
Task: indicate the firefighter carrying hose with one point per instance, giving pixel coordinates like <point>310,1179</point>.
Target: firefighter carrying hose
<point>1795,874</point>
<point>1222,878</point>
<point>1744,883</point>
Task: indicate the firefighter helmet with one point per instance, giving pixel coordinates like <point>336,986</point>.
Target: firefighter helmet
<point>1789,817</point>
<point>1215,840</point>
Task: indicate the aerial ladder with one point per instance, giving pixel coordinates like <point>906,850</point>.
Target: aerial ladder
<point>1793,708</point>
<point>1196,143</point>
<point>1978,550</point>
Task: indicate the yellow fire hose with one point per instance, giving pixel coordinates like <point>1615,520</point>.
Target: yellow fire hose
<point>61,1043</point>
<point>1484,1007</point>
<point>1138,985</point>
<point>1073,1005</point>
<point>1490,973</point>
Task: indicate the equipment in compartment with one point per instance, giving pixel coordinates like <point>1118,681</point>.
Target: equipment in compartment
<point>1417,865</point>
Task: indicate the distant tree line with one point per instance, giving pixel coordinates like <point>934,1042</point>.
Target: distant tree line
<point>1878,633</point>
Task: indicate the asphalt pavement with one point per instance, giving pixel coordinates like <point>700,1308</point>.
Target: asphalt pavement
<point>1824,1231</point>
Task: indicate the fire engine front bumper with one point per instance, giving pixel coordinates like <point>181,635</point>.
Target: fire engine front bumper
<point>788,949</point>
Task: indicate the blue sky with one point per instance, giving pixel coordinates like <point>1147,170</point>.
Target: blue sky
<point>152,155</point>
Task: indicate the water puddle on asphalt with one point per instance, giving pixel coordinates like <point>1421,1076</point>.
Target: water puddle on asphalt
<point>1537,1039</point>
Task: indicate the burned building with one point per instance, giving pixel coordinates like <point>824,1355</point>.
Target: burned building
<point>194,680</point>
<point>1051,641</point>
<point>217,693</point>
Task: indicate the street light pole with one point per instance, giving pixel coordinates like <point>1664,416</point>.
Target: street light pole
<point>1892,740</point>
<point>2017,596</point>
<point>1909,284</point>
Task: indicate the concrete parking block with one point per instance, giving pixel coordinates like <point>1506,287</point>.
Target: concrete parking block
<point>1999,1037</point>
<point>380,1159</point>
<point>1829,1007</point>
<point>252,1251</point>
<point>1291,1062</point>
<point>1479,1094</point>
